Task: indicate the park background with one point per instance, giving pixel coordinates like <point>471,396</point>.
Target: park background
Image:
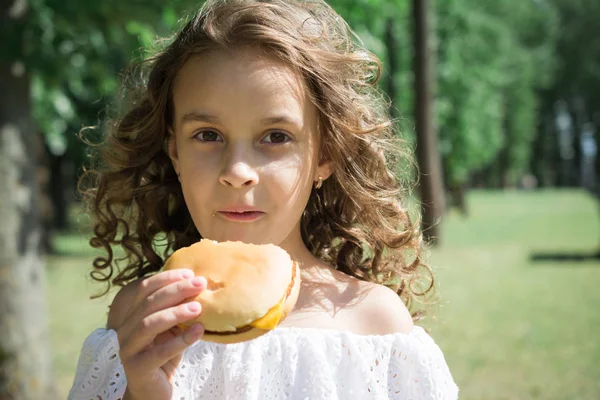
<point>512,122</point>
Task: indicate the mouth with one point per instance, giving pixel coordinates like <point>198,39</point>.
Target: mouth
<point>243,216</point>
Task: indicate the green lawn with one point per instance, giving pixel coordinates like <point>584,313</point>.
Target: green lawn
<point>510,328</point>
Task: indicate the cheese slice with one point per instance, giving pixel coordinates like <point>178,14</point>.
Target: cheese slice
<point>271,319</point>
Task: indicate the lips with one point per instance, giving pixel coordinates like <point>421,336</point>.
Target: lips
<point>241,216</point>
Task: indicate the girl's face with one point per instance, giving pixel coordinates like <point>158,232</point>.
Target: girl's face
<point>244,138</point>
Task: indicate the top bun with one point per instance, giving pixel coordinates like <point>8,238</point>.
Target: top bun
<point>251,288</point>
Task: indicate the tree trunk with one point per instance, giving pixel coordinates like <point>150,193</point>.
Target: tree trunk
<point>538,153</point>
<point>501,166</point>
<point>25,362</point>
<point>45,206</point>
<point>596,121</point>
<point>57,192</point>
<point>392,54</point>
<point>578,114</point>
<point>428,156</point>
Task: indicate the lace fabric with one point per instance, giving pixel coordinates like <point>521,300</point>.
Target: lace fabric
<point>286,363</point>
<point>99,374</point>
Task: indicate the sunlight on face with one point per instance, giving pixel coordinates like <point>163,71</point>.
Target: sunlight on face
<point>244,138</point>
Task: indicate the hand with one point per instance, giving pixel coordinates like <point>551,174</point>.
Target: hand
<point>151,344</point>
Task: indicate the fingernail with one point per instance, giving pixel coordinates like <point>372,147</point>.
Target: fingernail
<point>198,281</point>
<point>193,306</point>
<point>187,274</point>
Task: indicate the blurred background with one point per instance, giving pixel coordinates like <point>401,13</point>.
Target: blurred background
<point>501,99</point>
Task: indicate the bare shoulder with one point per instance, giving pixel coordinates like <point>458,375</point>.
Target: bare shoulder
<point>347,303</point>
<point>384,311</point>
<point>121,304</point>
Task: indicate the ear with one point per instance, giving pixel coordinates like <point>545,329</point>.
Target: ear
<point>324,169</point>
<point>172,150</point>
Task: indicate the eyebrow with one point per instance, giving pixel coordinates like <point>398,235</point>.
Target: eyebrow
<point>211,119</point>
<point>199,117</point>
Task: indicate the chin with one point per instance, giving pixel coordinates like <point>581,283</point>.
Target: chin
<point>235,237</point>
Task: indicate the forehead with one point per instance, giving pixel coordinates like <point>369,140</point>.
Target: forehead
<point>221,80</point>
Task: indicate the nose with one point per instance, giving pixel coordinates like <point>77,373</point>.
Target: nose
<point>238,173</point>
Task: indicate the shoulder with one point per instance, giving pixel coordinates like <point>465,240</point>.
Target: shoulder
<point>122,304</point>
<point>384,311</point>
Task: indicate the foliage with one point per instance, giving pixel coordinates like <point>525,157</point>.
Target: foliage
<point>75,52</point>
<point>493,60</point>
<point>578,48</point>
<point>578,77</point>
<point>493,57</point>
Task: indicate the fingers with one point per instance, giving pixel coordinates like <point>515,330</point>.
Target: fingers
<point>172,294</point>
<point>167,335</point>
<point>158,310</point>
<point>139,335</point>
<point>149,338</point>
<point>165,297</point>
<point>171,350</point>
<point>162,279</point>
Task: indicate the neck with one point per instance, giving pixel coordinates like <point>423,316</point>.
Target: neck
<point>298,251</point>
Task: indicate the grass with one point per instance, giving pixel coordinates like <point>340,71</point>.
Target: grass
<point>510,328</point>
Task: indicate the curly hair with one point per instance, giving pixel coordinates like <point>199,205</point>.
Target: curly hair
<point>357,221</point>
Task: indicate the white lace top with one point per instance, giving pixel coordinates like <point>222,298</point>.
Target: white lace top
<point>286,363</point>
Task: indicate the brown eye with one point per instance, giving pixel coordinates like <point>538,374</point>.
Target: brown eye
<point>208,136</point>
<point>277,137</point>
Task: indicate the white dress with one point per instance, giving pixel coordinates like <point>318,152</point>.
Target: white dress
<point>286,363</point>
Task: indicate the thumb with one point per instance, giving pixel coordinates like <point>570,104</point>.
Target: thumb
<point>165,336</point>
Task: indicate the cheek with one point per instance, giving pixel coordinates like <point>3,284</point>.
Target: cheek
<point>195,197</point>
<point>191,159</point>
<point>288,184</point>
<point>198,171</point>
<point>197,181</point>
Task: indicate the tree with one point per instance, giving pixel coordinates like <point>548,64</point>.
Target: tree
<point>430,173</point>
<point>75,52</point>
<point>495,56</point>
<point>25,362</point>
<point>391,44</point>
<point>577,81</point>
<point>78,50</point>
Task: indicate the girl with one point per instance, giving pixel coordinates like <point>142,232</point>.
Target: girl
<point>260,123</point>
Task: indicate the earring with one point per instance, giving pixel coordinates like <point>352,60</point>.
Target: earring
<point>319,183</point>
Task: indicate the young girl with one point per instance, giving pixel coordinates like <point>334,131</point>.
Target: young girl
<point>260,123</point>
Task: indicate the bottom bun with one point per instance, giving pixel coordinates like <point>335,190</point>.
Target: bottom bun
<point>253,333</point>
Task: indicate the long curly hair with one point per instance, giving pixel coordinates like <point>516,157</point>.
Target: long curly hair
<point>358,221</point>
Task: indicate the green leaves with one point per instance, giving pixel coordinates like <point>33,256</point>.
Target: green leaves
<point>75,52</point>
<point>52,111</point>
<point>493,57</point>
<point>486,95</point>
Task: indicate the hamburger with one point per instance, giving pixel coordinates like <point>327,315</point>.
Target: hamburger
<point>251,288</point>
